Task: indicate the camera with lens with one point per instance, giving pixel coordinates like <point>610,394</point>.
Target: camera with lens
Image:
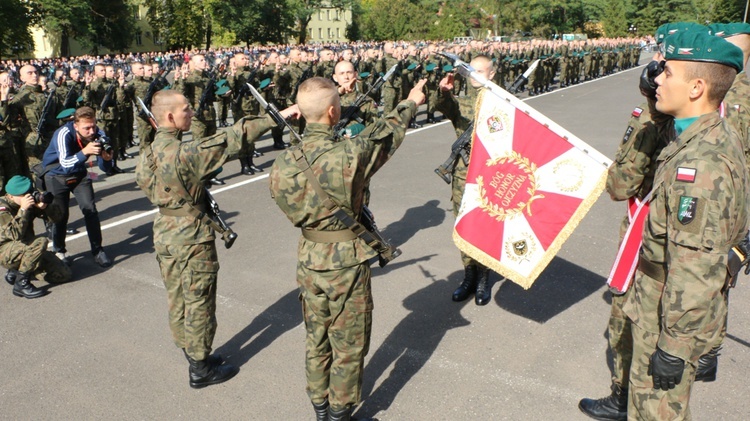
<point>42,196</point>
<point>104,143</point>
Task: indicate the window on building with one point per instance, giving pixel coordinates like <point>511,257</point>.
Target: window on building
<point>311,33</point>
<point>138,39</point>
<point>136,12</point>
<point>338,33</point>
<point>328,14</point>
<point>330,33</point>
<point>320,15</point>
<point>320,33</point>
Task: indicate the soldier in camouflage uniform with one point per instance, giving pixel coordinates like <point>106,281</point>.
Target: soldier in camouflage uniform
<point>333,270</point>
<point>244,104</point>
<point>172,174</point>
<point>391,90</point>
<point>28,104</point>
<point>109,116</point>
<point>698,212</point>
<point>141,82</point>
<point>434,69</point>
<point>192,86</point>
<point>21,252</point>
<point>460,111</point>
<point>12,150</point>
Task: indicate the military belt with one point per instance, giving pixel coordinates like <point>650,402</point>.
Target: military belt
<point>328,236</point>
<point>657,271</point>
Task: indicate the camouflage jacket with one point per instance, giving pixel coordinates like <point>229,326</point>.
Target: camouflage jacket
<point>343,170</point>
<point>632,172</point>
<point>737,101</point>
<point>248,105</point>
<point>95,96</point>
<point>697,212</point>
<point>184,167</point>
<point>19,226</point>
<point>29,102</point>
<point>367,112</point>
<point>192,87</point>
<point>460,111</point>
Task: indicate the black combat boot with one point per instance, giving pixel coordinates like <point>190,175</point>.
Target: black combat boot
<point>214,359</point>
<point>321,411</point>
<point>203,373</point>
<point>10,277</point>
<point>484,288</point>
<point>216,182</point>
<point>469,284</point>
<point>430,118</point>
<point>341,415</point>
<point>246,169</point>
<point>24,288</point>
<point>613,407</point>
<point>707,366</point>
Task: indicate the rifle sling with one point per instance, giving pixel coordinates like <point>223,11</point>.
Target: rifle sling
<point>355,227</point>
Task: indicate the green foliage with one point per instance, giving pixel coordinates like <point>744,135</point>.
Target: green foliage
<point>15,36</point>
<point>178,23</point>
<point>614,20</point>
<point>455,19</point>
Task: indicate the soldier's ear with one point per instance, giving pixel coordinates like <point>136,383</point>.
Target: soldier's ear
<point>698,88</point>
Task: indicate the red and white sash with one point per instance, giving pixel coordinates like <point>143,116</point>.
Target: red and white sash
<point>626,262</point>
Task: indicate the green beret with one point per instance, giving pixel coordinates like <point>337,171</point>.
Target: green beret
<point>222,90</point>
<point>364,75</point>
<point>672,28</point>
<point>430,67</point>
<point>702,47</point>
<point>18,185</point>
<point>412,66</point>
<point>448,68</point>
<point>264,83</point>
<point>65,113</point>
<point>221,83</point>
<point>726,30</point>
<point>354,129</point>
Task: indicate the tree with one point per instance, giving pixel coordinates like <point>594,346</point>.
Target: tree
<point>454,20</point>
<point>614,21</point>
<point>179,23</point>
<point>15,35</point>
<point>263,21</point>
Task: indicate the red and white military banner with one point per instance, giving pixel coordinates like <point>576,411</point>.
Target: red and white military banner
<point>530,182</point>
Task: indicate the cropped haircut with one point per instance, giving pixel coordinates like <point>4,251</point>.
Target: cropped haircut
<point>718,77</point>
<point>84,113</point>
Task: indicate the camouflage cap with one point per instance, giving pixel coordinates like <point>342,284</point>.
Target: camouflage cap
<point>702,47</point>
<point>726,30</point>
<point>672,28</point>
<point>18,185</point>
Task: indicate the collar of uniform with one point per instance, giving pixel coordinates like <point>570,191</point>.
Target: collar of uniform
<point>316,130</point>
<point>169,130</point>
<point>702,123</point>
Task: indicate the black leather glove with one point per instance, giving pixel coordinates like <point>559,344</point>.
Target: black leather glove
<point>650,72</point>
<point>665,369</point>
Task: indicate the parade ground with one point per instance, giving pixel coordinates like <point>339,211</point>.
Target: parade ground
<point>100,347</point>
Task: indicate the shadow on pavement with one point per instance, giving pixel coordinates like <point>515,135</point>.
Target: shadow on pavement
<point>414,219</point>
<point>411,343</point>
<point>559,287</point>
<point>266,327</point>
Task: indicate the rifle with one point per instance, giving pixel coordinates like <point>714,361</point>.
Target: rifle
<point>340,127</point>
<point>108,96</point>
<point>458,149</point>
<point>145,113</point>
<point>71,98</point>
<point>208,92</point>
<point>243,89</point>
<point>305,75</point>
<point>365,228</point>
<point>215,221</point>
<point>45,115</point>
<point>155,85</point>
<point>520,80</point>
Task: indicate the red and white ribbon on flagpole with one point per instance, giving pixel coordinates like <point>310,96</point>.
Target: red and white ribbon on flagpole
<point>626,262</point>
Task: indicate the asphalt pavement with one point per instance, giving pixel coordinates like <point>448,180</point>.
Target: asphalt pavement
<point>100,347</point>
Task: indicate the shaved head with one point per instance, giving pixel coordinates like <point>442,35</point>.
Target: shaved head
<point>484,66</point>
<point>164,102</point>
<point>315,98</point>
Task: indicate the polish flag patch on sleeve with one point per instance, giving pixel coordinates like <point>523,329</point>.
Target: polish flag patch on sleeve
<point>637,112</point>
<point>3,208</point>
<point>686,174</point>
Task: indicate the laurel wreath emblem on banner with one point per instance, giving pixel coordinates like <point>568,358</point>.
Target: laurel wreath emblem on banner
<point>527,169</point>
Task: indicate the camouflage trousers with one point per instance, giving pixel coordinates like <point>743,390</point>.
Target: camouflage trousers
<point>647,403</point>
<point>189,273</point>
<point>620,336</point>
<point>35,260</point>
<point>337,309</point>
